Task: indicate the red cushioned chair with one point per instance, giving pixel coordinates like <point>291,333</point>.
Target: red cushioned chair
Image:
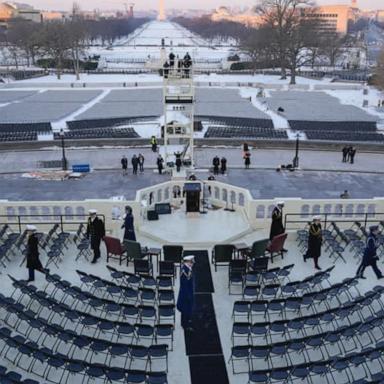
<point>276,247</point>
<point>115,249</point>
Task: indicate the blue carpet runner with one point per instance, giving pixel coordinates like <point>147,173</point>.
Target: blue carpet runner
<point>203,346</point>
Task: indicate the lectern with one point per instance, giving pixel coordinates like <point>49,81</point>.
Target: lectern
<point>192,196</point>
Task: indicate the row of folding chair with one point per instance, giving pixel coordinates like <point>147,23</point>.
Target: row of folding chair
<point>283,330</point>
<point>50,366</point>
<point>271,276</point>
<point>309,284</point>
<point>100,309</point>
<point>86,324</point>
<point>12,244</point>
<point>358,334</point>
<point>309,349</point>
<point>107,290</point>
<point>335,370</point>
<point>71,344</point>
<point>12,377</point>
<point>137,282</point>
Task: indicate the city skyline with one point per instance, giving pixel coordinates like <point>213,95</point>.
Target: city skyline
<point>66,5</point>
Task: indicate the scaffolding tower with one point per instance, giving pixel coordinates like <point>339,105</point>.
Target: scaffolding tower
<point>178,122</point>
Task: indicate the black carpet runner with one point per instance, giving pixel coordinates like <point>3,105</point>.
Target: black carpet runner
<point>203,346</point>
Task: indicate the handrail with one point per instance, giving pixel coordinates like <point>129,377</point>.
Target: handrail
<point>368,217</point>
<point>61,221</point>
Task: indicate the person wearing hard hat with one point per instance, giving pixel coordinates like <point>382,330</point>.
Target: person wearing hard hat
<point>185,299</point>
<point>33,261</point>
<point>95,232</point>
<point>315,239</point>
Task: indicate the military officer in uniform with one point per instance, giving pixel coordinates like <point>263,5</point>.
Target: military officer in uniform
<point>277,227</point>
<point>370,257</point>
<point>95,232</point>
<point>185,299</point>
<point>33,261</point>
<point>315,239</point>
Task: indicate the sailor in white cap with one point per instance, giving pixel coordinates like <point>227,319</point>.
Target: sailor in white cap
<point>315,240</point>
<point>33,261</point>
<point>185,299</point>
<point>95,232</point>
<point>277,227</point>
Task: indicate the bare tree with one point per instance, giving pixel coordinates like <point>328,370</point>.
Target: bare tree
<point>258,44</point>
<point>332,46</point>
<point>282,16</point>
<point>57,43</point>
<point>77,35</point>
<point>379,72</point>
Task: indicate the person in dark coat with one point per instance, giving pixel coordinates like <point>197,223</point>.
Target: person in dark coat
<point>166,69</point>
<point>223,163</point>
<point>171,59</point>
<point>315,240</point>
<point>277,227</point>
<point>129,232</point>
<point>95,232</point>
<point>124,165</point>
<point>245,148</point>
<point>33,261</point>
<point>178,160</point>
<point>352,153</point>
<point>135,164</point>
<point>345,153</point>
<point>216,163</point>
<point>247,160</point>
<point>159,162</point>
<point>370,256</point>
<point>141,159</point>
<point>185,299</point>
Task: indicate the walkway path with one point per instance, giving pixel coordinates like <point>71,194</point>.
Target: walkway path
<point>109,158</point>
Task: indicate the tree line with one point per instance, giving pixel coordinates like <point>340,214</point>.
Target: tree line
<point>61,42</point>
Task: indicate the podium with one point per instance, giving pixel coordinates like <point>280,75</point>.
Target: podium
<point>192,196</point>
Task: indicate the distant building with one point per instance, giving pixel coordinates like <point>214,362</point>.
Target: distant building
<point>331,18</point>
<point>10,10</point>
<point>380,16</point>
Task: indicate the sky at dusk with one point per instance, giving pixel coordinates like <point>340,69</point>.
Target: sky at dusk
<point>153,4</point>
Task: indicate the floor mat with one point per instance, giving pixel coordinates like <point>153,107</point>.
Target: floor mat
<point>208,370</point>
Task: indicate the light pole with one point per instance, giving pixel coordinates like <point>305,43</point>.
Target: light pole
<point>296,158</point>
<point>63,159</point>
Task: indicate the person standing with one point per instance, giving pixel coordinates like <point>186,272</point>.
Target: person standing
<point>154,143</point>
<point>124,165</point>
<point>223,163</point>
<point>159,163</point>
<point>216,163</point>
<point>277,227</point>
<point>370,256</point>
<point>185,299</point>
<point>95,232</point>
<point>178,160</point>
<point>135,163</point>
<point>33,261</point>
<point>247,159</point>
<point>352,153</point>
<point>315,239</point>
<point>141,162</point>
<point>345,153</point>
<point>129,228</point>
<point>171,59</point>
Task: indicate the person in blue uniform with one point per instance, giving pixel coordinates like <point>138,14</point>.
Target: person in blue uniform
<point>185,299</point>
<point>370,256</point>
<point>129,233</point>
<point>277,227</point>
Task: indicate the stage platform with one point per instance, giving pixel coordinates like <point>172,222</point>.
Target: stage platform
<point>214,227</point>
